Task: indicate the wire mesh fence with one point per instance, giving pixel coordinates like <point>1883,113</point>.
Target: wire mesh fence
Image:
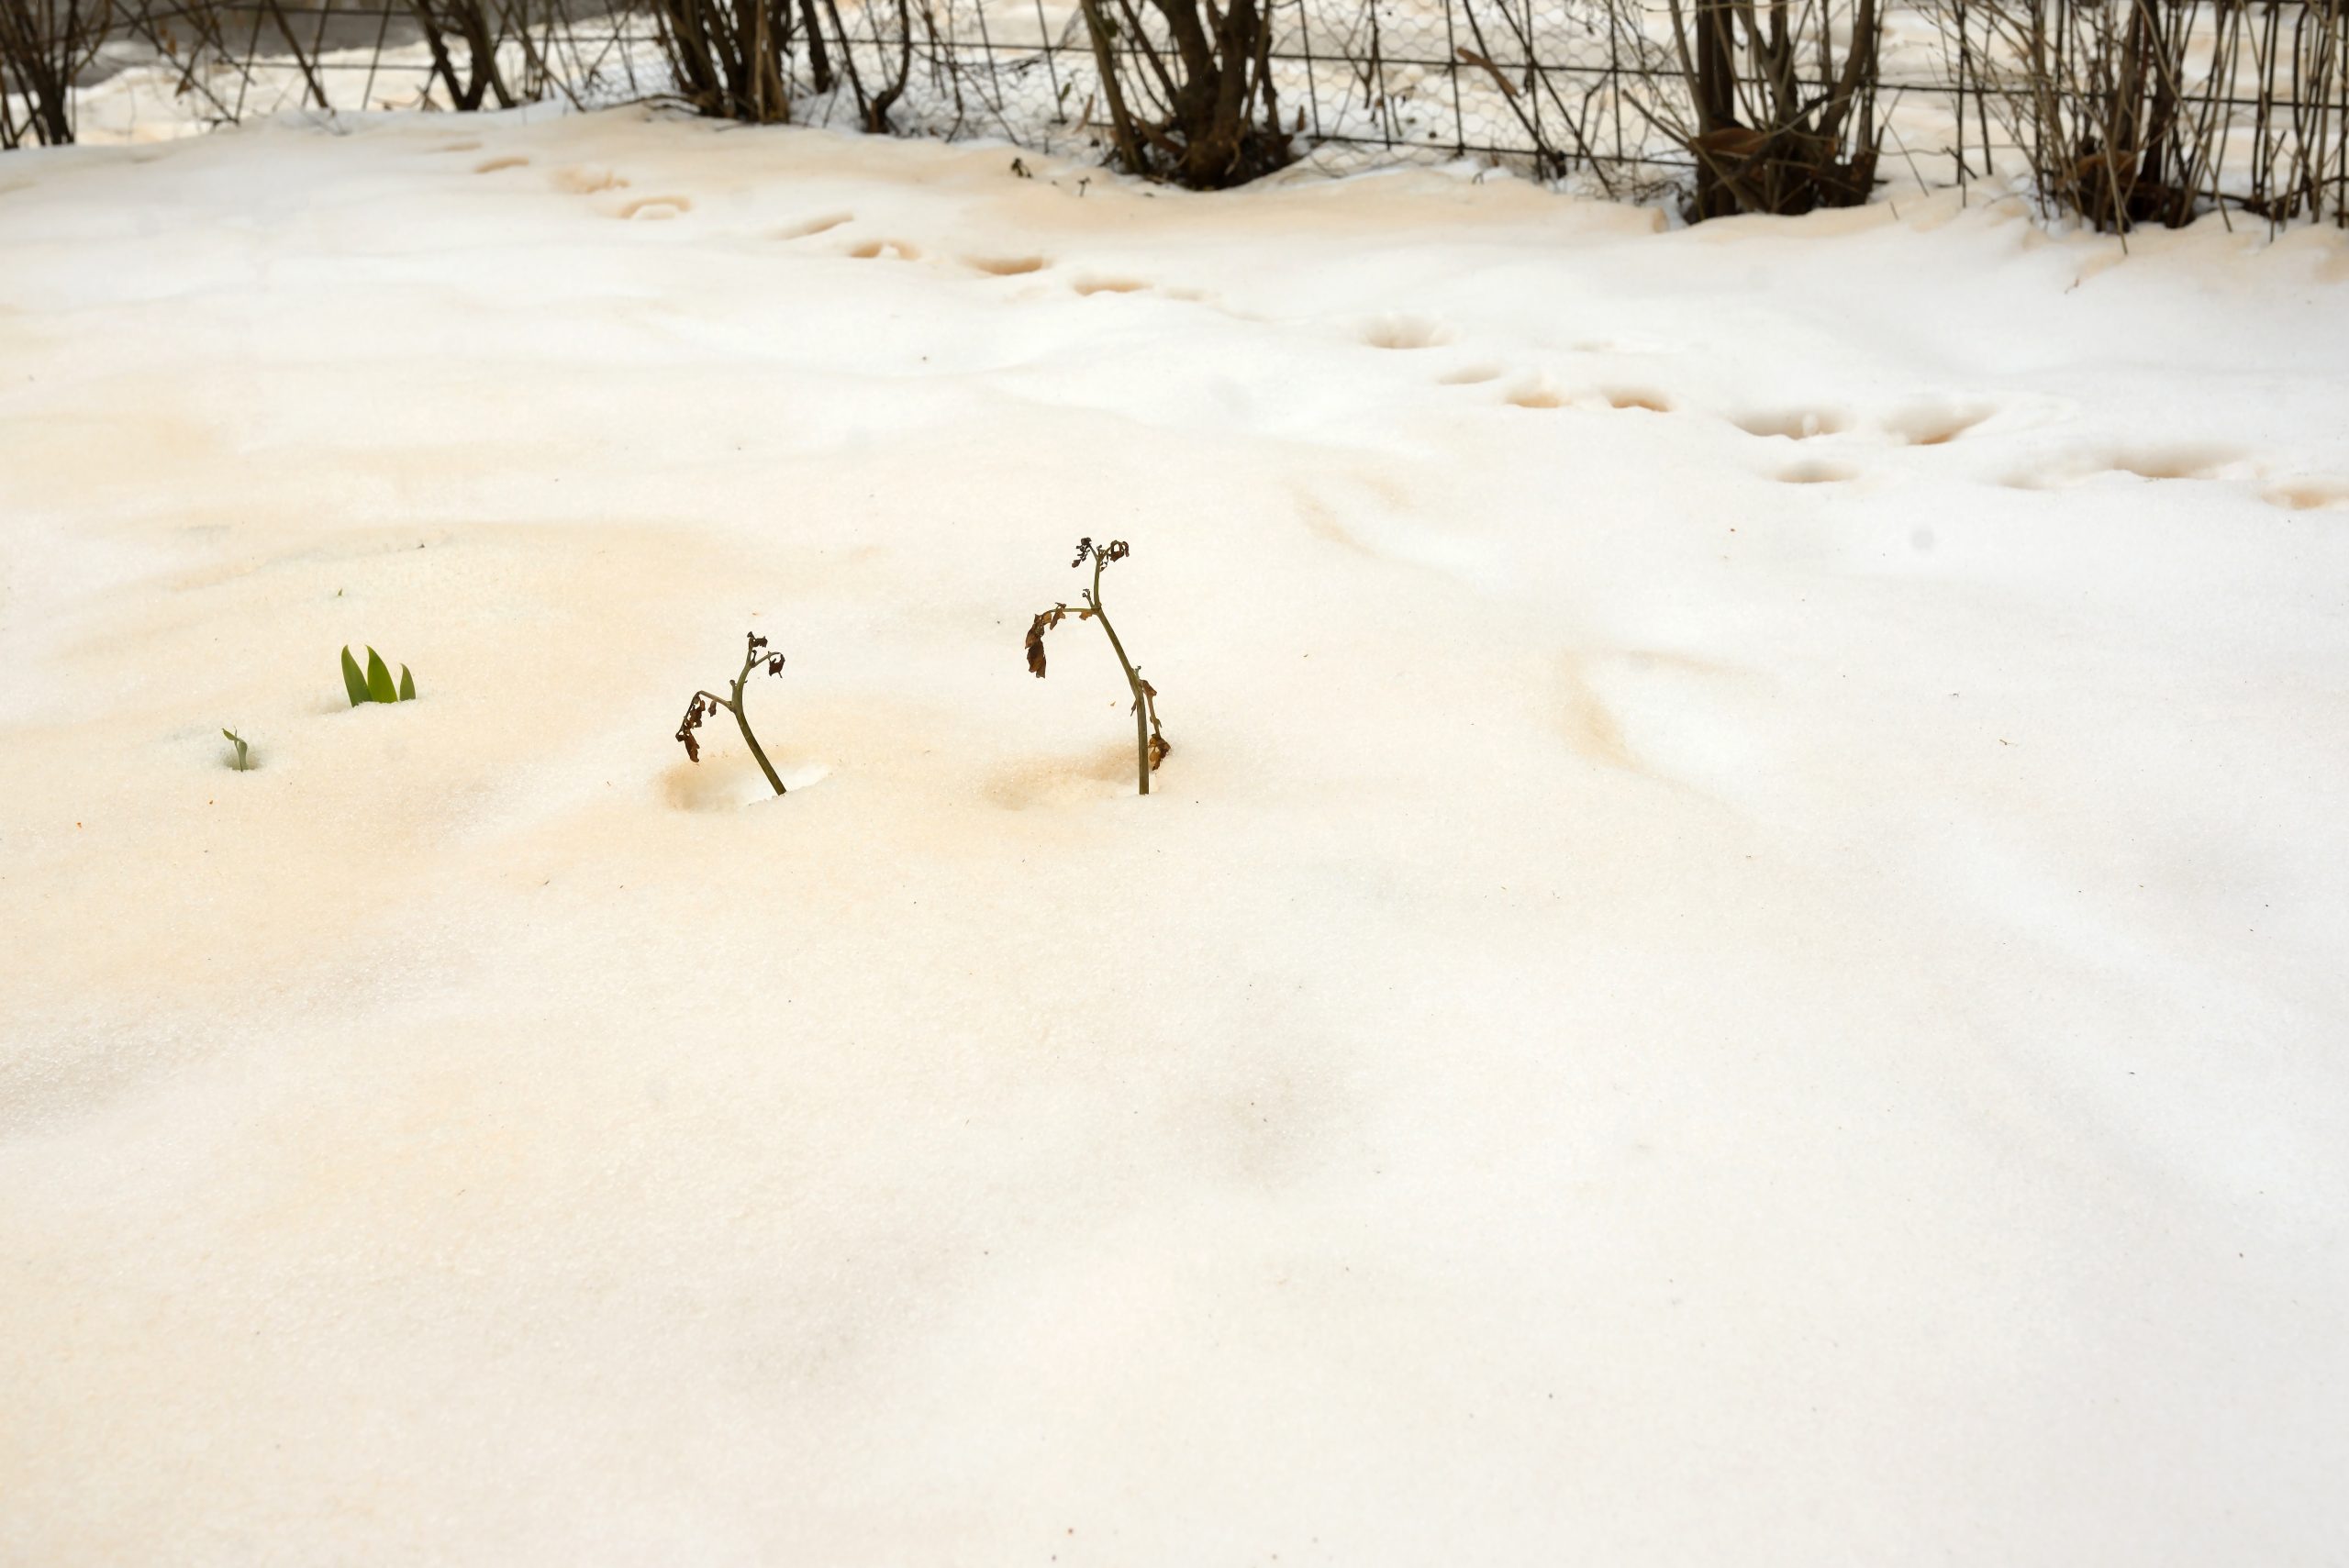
<point>2120,110</point>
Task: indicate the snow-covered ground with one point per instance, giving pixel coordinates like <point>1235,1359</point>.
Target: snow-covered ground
<point>1738,960</point>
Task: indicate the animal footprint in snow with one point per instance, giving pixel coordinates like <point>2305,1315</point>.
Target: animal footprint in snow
<point>2176,463</point>
<point>495,164</point>
<point>1469,375</point>
<point>1006,266</point>
<point>1538,392</point>
<point>1793,425</point>
<point>1405,332</point>
<point>1639,399</point>
<point>2308,495</point>
<point>652,208</point>
<point>1108,286</point>
<point>873,250</point>
<point>812,227</point>
<point>1667,715</point>
<point>1816,474</point>
<point>1626,345</point>
<point>1936,424</point>
<point>584,182</point>
<point>2140,463</point>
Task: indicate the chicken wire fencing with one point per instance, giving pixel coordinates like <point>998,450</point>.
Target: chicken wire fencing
<point>2120,110</point>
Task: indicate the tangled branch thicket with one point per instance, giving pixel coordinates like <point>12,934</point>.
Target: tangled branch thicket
<point>44,49</point>
<point>2122,112</point>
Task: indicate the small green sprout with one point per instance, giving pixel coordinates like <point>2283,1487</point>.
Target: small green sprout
<point>242,761</point>
<point>375,685</point>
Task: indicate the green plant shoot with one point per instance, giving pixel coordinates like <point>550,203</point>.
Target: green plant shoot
<point>375,685</point>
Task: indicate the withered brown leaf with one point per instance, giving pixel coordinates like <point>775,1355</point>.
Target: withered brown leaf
<point>1045,620</point>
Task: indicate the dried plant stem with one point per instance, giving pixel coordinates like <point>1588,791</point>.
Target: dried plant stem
<point>752,659</point>
<point>1142,715</point>
<point>742,722</point>
<point>752,742</point>
<point>1151,745</point>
